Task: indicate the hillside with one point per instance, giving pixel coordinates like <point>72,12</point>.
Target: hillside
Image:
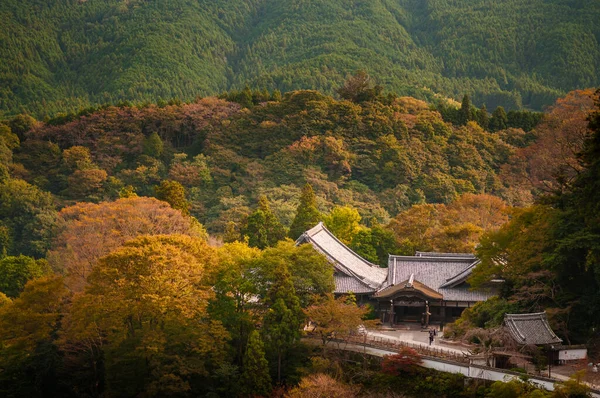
<point>69,54</point>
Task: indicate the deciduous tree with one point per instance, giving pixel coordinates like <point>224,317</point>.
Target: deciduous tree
<point>88,231</point>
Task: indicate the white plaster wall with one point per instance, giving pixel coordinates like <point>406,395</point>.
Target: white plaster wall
<point>572,355</point>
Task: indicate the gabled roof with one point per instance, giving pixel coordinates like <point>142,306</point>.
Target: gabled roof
<point>408,288</point>
<point>343,258</point>
<point>442,272</point>
<point>530,329</point>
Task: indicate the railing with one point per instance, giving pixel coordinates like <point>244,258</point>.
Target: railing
<point>395,345</point>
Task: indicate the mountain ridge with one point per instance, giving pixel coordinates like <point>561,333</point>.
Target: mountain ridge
<point>71,54</point>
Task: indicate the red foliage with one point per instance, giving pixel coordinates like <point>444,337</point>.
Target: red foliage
<point>406,361</point>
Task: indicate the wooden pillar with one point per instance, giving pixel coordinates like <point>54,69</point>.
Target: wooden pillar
<point>391,312</point>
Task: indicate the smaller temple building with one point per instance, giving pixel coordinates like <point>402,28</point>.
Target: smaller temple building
<point>534,329</point>
<point>426,287</point>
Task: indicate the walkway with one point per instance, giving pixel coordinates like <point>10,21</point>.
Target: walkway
<point>417,338</point>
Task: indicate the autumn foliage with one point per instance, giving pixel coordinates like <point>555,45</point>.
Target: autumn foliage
<point>88,231</point>
<point>406,361</point>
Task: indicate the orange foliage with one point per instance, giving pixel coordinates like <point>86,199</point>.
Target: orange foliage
<point>455,227</point>
<point>89,231</point>
<point>550,163</point>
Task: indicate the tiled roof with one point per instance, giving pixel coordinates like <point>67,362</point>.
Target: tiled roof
<point>344,259</point>
<point>416,286</point>
<point>441,272</point>
<point>530,328</point>
<point>461,277</point>
<point>438,254</point>
<point>347,284</point>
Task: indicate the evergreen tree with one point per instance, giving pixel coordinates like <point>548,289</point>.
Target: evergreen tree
<point>499,119</point>
<point>465,110</point>
<point>307,214</point>
<point>153,145</point>
<point>482,117</point>
<point>262,227</point>
<point>255,379</point>
<point>282,322</point>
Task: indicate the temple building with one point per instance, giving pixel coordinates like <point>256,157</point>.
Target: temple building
<point>426,287</point>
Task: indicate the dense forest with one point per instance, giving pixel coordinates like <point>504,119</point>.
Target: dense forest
<point>65,55</point>
<point>145,250</point>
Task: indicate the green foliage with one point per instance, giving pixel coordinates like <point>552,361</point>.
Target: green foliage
<point>307,214</point>
<point>485,314</point>
<point>343,222</point>
<point>255,378</point>
<point>173,193</point>
<point>310,272</point>
<point>284,318</point>
<point>516,389</point>
<point>15,272</point>
<point>153,145</point>
<point>29,358</point>
<point>499,120</point>
<point>27,217</point>
<point>65,55</point>
<point>262,227</point>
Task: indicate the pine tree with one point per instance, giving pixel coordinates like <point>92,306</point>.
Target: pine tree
<point>255,379</point>
<point>465,110</point>
<point>262,227</point>
<point>482,117</point>
<point>499,119</point>
<point>307,214</point>
<point>281,324</point>
<point>153,145</point>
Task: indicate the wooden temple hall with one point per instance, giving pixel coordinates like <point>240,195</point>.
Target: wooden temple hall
<point>426,287</point>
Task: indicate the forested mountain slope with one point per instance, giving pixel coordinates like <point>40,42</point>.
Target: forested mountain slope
<point>67,54</point>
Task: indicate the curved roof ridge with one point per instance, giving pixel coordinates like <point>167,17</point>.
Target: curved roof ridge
<point>433,259</point>
<point>532,328</point>
<point>369,273</point>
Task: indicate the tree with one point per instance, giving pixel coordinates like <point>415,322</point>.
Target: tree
<point>307,214</point>
<point>552,163</point>
<point>406,361</point>
<point>359,88</point>
<point>153,145</point>
<point>483,118</point>
<point>255,378</point>
<point>89,231</point>
<point>173,193</point>
<point>147,302</point>
<point>235,286</point>
<point>28,215</point>
<point>465,110</point>
<point>284,317</point>
<point>322,386</point>
<point>499,120</point>
<point>86,182</point>
<point>29,358</point>
<point>336,318</point>
<point>310,272</point>
<point>15,272</point>
<point>262,226</point>
<point>344,223</point>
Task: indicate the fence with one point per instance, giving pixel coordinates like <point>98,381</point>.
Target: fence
<point>396,345</point>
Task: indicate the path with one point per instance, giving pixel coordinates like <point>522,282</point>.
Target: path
<point>417,337</point>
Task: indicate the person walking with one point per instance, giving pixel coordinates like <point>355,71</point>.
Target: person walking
<point>431,336</point>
